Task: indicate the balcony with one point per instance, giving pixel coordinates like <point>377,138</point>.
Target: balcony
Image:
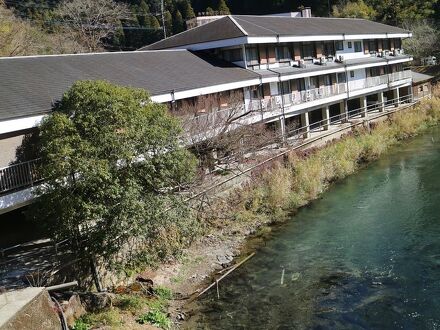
<point>371,82</point>
<point>19,176</point>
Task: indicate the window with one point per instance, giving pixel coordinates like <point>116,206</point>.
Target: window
<point>301,84</point>
<point>282,53</point>
<point>350,45</point>
<point>256,92</point>
<point>339,45</point>
<point>285,87</point>
<point>358,46</point>
<point>374,72</point>
<point>385,44</point>
<point>307,50</point>
<point>252,55</point>
<point>351,74</point>
<point>329,48</point>
<point>341,77</point>
<point>397,43</point>
<point>372,45</point>
<point>327,80</point>
<point>233,55</point>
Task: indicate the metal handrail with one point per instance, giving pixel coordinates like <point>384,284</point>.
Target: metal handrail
<point>19,176</point>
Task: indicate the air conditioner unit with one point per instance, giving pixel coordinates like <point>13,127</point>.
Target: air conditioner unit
<point>322,60</point>
<point>302,63</point>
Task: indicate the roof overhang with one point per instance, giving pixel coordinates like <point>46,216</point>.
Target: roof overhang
<point>19,124</point>
<point>179,95</point>
<point>281,39</point>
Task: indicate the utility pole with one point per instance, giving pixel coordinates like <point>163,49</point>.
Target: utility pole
<point>163,19</point>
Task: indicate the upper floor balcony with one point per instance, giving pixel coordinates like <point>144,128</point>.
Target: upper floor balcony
<point>306,53</point>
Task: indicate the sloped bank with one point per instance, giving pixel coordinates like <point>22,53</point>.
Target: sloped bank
<point>236,223</point>
<point>283,186</point>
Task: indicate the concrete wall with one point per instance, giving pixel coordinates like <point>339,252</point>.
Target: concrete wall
<point>10,142</point>
<point>28,309</point>
<point>349,52</point>
<point>357,81</point>
<point>8,147</point>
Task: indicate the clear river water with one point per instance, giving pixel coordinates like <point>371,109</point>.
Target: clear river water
<point>364,256</point>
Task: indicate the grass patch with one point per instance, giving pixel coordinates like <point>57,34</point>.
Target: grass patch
<point>109,318</point>
<point>155,317</point>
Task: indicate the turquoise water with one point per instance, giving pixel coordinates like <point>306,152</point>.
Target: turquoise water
<point>365,256</point>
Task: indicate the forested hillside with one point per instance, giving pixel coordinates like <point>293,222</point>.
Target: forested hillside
<point>143,24</point>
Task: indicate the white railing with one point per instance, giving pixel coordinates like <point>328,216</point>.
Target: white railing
<point>378,80</point>
<point>19,176</point>
<point>401,75</point>
<point>367,82</point>
<point>298,97</point>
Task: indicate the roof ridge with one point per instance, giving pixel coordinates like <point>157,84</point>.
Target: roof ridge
<point>262,27</point>
<point>238,25</point>
<point>89,54</point>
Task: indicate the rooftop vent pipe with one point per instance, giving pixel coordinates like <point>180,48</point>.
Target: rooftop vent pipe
<point>306,12</point>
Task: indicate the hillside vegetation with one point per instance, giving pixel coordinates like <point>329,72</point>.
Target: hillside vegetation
<point>144,25</point>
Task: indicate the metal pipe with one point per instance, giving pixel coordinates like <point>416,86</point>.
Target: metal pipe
<point>62,286</point>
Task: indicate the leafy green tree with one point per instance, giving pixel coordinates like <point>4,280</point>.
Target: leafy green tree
<point>168,23</point>
<point>358,9</point>
<point>112,162</point>
<point>154,23</point>
<point>187,10</point>
<point>179,24</point>
<point>397,11</point>
<point>210,12</point>
<point>143,14</point>
<point>223,8</point>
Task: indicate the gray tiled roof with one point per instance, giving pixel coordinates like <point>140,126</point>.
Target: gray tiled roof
<point>29,85</point>
<point>302,26</point>
<point>264,26</point>
<point>420,77</point>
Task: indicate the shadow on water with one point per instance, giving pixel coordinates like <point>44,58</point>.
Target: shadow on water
<point>365,256</point>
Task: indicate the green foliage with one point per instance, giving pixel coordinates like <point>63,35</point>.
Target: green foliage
<point>107,318</point>
<point>163,293</point>
<point>301,179</point>
<point>358,9</point>
<point>132,303</point>
<point>156,318</point>
<point>112,161</point>
<point>425,40</point>
<point>223,8</point>
<point>80,324</point>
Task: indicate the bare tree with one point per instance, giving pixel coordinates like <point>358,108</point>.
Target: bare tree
<point>90,22</point>
<point>425,38</point>
<point>19,37</point>
<point>222,130</point>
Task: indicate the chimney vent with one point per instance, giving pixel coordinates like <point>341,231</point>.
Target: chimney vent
<point>306,12</point>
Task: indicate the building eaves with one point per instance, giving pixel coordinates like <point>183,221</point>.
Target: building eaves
<point>30,85</point>
<point>222,29</point>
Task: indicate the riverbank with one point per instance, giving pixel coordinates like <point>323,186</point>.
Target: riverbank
<point>276,192</point>
<point>280,189</point>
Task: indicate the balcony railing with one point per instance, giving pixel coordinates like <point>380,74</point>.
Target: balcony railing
<point>19,176</point>
<point>401,75</point>
<point>378,80</point>
<point>298,97</point>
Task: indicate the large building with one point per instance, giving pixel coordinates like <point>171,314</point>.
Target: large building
<point>282,71</point>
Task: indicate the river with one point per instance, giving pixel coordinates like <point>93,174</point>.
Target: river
<point>364,256</point>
